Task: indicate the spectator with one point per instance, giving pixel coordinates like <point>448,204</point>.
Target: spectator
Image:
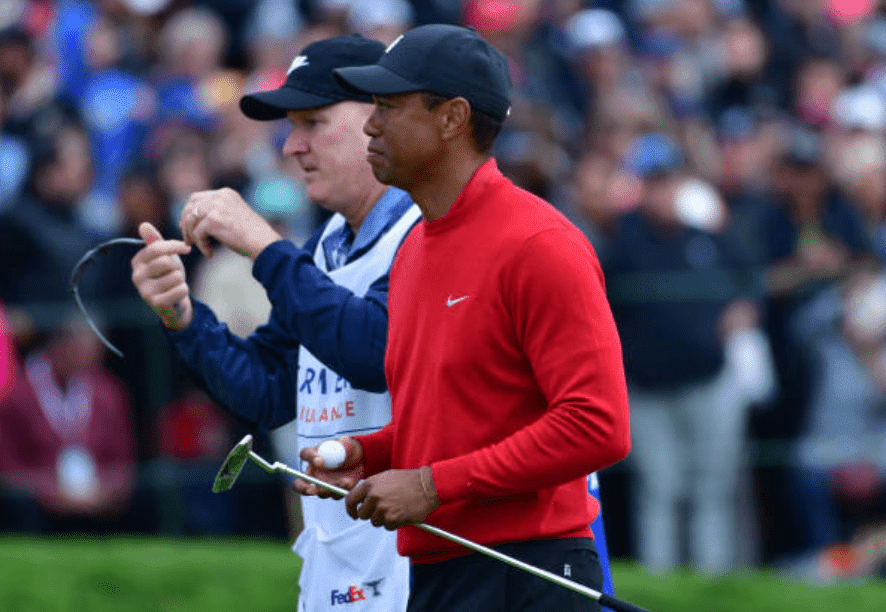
<point>601,67</point>
<point>226,285</point>
<point>744,78</point>
<point>865,183</point>
<point>688,422</point>
<point>746,146</point>
<point>181,153</point>
<point>26,81</point>
<point>530,150</point>
<point>41,235</point>
<point>67,447</point>
<point>600,194</point>
<point>191,47</point>
<point>839,463</point>
<point>810,240</point>
<point>797,30</point>
<point>813,238</point>
<point>817,86</point>
<point>118,107</point>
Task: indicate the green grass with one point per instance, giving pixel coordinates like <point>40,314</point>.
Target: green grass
<point>122,575</point>
<point>161,575</point>
<point>756,591</point>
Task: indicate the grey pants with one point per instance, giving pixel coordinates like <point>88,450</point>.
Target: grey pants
<point>688,444</point>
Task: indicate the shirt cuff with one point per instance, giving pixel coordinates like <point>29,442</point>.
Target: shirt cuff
<point>452,480</point>
<point>202,317</point>
<point>375,455</point>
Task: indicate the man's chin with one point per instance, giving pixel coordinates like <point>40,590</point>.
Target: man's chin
<point>316,196</point>
<point>381,175</point>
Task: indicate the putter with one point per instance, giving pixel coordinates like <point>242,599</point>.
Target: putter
<point>236,459</point>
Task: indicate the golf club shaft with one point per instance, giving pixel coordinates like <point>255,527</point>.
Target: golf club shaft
<point>604,599</point>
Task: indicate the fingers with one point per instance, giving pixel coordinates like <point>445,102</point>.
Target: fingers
<point>353,452</point>
<point>193,224</point>
<point>353,455</point>
<point>194,220</point>
<point>223,215</point>
<point>161,267</point>
<point>310,455</point>
<point>149,233</point>
<point>156,247</point>
<point>378,518</point>
<point>354,501</point>
<point>308,488</point>
<point>159,276</point>
<point>168,299</point>
<point>363,504</point>
<point>200,234</point>
<point>390,499</point>
<point>345,477</point>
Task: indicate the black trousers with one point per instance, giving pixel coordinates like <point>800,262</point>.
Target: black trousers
<point>477,583</point>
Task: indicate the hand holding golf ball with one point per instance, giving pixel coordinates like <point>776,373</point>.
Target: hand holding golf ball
<point>338,462</point>
<point>333,453</point>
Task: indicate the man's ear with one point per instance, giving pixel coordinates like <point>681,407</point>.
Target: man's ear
<point>455,118</point>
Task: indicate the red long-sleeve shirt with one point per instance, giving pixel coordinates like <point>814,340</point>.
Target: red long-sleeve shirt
<point>505,370</point>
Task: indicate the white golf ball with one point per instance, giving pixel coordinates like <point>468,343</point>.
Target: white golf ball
<point>333,453</point>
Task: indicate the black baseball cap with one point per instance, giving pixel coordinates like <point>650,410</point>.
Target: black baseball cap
<point>309,81</point>
<point>444,59</point>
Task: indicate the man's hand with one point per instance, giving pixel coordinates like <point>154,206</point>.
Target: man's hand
<point>224,215</point>
<point>394,498</point>
<point>344,477</point>
<point>159,275</point>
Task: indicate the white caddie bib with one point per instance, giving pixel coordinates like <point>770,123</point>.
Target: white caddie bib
<point>347,565</point>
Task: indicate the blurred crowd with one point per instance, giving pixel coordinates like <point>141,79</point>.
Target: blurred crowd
<point>726,158</point>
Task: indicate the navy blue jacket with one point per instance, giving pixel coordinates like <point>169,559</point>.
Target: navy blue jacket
<point>668,292</point>
<point>256,377</point>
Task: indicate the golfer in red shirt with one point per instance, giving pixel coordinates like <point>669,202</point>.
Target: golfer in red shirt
<point>503,360</point>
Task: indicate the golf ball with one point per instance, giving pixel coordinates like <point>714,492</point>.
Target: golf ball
<point>333,453</point>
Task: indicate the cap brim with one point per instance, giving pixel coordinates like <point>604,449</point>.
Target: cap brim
<point>269,105</point>
<point>373,80</point>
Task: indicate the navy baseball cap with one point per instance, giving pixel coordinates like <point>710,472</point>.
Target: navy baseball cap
<point>443,59</point>
<point>309,81</point>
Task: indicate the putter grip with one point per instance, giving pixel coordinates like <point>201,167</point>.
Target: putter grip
<point>608,601</point>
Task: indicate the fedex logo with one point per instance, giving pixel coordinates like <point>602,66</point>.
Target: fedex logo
<point>353,594</point>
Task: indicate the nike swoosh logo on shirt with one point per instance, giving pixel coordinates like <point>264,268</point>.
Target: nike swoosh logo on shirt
<point>452,302</point>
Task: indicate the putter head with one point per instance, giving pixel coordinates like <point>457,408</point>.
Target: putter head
<point>233,465</point>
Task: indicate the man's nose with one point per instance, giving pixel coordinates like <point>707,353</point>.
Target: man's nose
<point>296,143</point>
<point>372,127</point>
